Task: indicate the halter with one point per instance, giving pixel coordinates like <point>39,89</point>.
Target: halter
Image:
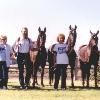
<point>41,38</point>
<point>72,37</point>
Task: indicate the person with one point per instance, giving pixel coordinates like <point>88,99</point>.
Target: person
<point>3,65</point>
<point>62,61</point>
<point>9,53</point>
<point>22,46</point>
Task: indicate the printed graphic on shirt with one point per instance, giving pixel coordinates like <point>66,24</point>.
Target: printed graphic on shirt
<point>2,49</point>
<point>61,50</point>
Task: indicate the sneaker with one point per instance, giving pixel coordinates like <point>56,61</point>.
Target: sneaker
<point>56,89</point>
<point>5,87</point>
<point>27,87</point>
<point>63,89</point>
<point>22,87</point>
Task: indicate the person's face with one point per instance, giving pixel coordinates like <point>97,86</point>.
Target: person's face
<point>4,41</point>
<point>24,33</point>
<point>61,39</point>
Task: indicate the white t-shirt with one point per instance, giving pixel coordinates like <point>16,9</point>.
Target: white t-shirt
<point>23,45</point>
<point>62,57</point>
<point>9,51</point>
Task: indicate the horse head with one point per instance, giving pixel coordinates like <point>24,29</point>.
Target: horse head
<point>94,38</point>
<point>41,37</point>
<point>72,36</point>
<point>85,50</point>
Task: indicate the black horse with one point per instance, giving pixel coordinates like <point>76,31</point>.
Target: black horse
<point>89,55</point>
<point>40,59</point>
<point>71,52</point>
<point>94,57</point>
<point>51,61</point>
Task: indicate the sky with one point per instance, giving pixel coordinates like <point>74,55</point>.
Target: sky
<point>55,15</point>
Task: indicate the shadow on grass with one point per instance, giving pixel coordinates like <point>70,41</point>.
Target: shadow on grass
<point>50,88</point>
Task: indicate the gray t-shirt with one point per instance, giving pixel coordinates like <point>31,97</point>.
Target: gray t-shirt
<point>2,52</point>
<point>62,57</point>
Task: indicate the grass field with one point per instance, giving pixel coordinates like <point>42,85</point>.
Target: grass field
<point>48,93</point>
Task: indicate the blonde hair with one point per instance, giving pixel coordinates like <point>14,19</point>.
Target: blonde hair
<point>25,29</point>
<point>61,35</point>
<point>3,37</point>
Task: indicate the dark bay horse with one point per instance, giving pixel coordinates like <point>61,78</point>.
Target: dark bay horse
<point>51,61</point>
<point>71,52</point>
<point>89,55</point>
<point>41,56</point>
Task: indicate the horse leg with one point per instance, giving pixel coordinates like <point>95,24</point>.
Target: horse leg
<point>72,76</point>
<point>35,76</point>
<point>36,81</point>
<point>83,75</point>
<point>82,72</point>
<point>95,75</point>
<point>83,78</point>
<point>88,74</point>
<point>42,75</point>
<point>87,80</point>
<point>50,75</point>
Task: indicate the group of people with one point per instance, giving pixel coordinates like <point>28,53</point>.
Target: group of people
<point>21,48</point>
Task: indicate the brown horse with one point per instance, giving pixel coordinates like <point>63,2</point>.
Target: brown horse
<point>71,52</point>
<point>88,55</point>
<point>40,57</point>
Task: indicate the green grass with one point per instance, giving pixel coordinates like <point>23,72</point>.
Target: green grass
<point>48,93</point>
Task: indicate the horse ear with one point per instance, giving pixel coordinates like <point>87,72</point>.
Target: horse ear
<point>45,29</point>
<point>97,32</point>
<point>39,29</point>
<point>75,27</point>
<point>70,27</point>
<point>91,32</point>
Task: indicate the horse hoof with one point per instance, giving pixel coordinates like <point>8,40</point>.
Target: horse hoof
<point>37,84</point>
<point>33,85</point>
<point>96,86</point>
<point>42,85</point>
<point>87,86</point>
<point>72,85</point>
<point>50,83</point>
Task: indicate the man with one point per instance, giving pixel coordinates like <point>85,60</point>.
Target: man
<point>22,46</point>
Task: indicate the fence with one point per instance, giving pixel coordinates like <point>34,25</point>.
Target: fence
<point>13,71</point>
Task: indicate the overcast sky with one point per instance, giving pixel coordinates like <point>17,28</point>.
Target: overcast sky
<point>55,15</point>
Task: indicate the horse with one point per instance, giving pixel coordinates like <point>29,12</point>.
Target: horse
<point>40,57</point>
<point>89,55</point>
<point>51,62</point>
<point>71,52</point>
